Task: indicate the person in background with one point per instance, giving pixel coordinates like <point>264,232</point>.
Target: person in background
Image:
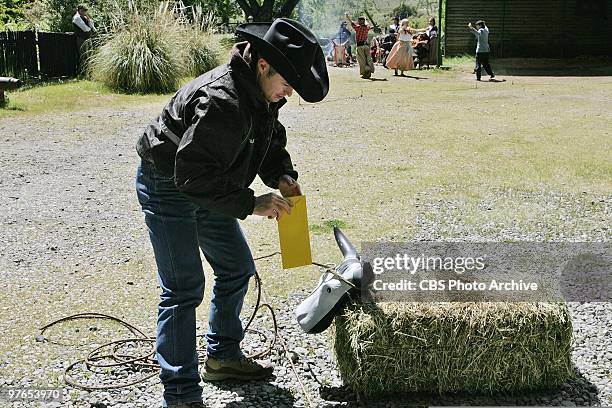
<point>83,26</point>
<point>339,54</point>
<point>432,45</point>
<point>387,44</point>
<point>344,37</point>
<point>374,47</point>
<point>395,26</point>
<point>401,55</point>
<point>482,48</point>
<point>420,44</point>
<point>431,30</point>
<point>366,66</point>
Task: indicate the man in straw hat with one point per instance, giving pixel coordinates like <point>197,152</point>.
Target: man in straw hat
<point>199,157</point>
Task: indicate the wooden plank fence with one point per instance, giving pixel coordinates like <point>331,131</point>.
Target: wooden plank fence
<point>58,54</point>
<point>18,57</point>
<point>26,54</point>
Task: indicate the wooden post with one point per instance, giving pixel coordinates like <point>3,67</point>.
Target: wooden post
<point>503,29</point>
<point>439,44</point>
<point>8,84</point>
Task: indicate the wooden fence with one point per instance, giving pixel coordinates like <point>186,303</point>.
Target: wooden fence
<point>58,54</point>
<point>18,57</point>
<point>26,54</point>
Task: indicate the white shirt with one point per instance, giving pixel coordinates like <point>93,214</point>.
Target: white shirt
<point>482,35</point>
<point>81,24</point>
<point>429,32</point>
<point>405,36</point>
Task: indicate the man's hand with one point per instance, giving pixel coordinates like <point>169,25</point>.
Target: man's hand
<point>288,187</point>
<point>272,206</point>
<point>470,25</point>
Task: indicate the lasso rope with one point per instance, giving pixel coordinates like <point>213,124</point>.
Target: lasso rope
<point>97,359</point>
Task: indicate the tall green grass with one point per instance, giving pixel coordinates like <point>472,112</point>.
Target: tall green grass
<point>202,49</point>
<point>149,51</point>
<point>202,54</point>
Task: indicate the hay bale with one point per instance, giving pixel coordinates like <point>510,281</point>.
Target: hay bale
<point>390,348</point>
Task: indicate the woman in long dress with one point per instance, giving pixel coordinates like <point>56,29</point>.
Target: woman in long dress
<point>401,55</point>
<point>339,53</point>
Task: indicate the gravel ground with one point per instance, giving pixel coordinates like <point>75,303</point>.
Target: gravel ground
<point>73,240</point>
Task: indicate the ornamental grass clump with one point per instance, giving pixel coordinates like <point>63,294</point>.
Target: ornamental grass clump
<point>202,54</point>
<point>202,51</point>
<point>391,347</point>
<point>143,53</point>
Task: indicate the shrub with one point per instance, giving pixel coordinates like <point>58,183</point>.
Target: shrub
<point>149,51</point>
<point>227,41</point>
<point>404,11</point>
<point>142,54</point>
<point>202,52</point>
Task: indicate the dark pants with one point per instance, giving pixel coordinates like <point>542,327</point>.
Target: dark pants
<point>482,60</point>
<point>349,52</point>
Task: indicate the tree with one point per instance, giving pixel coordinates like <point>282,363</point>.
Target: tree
<point>267,10</point>
<point>225,10</point>
<point>12,12</point>
<point>430,6</point>
<point>101,10</point>
<point>325,16</point>
<point>404,11</point>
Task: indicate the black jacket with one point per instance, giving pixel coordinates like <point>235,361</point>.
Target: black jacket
<point>228,135</point>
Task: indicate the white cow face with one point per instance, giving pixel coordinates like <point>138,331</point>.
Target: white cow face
<point>317,311</point>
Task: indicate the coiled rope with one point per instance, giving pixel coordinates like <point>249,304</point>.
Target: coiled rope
<point>116,358</point>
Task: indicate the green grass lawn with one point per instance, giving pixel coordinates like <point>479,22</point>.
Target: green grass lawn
<point>78,95</point>
<point>445,157</point>
<point>402,158</point>
<point>70,96</point>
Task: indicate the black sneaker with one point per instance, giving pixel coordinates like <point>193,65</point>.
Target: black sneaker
<point>242,369</point>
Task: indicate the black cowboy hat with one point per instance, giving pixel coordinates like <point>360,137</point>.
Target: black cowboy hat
<point>292,49</point>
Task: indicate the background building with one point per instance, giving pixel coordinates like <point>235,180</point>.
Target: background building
<point>531,28</point>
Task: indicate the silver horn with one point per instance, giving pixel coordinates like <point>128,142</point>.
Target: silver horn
<point>347,249</point>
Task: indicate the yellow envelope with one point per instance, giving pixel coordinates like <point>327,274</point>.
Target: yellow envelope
<point>294,236</point>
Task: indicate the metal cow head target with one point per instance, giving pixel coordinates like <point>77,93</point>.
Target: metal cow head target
<point>333,291</point>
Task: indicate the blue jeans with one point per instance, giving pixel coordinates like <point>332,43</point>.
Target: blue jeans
<point>178,229</point>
